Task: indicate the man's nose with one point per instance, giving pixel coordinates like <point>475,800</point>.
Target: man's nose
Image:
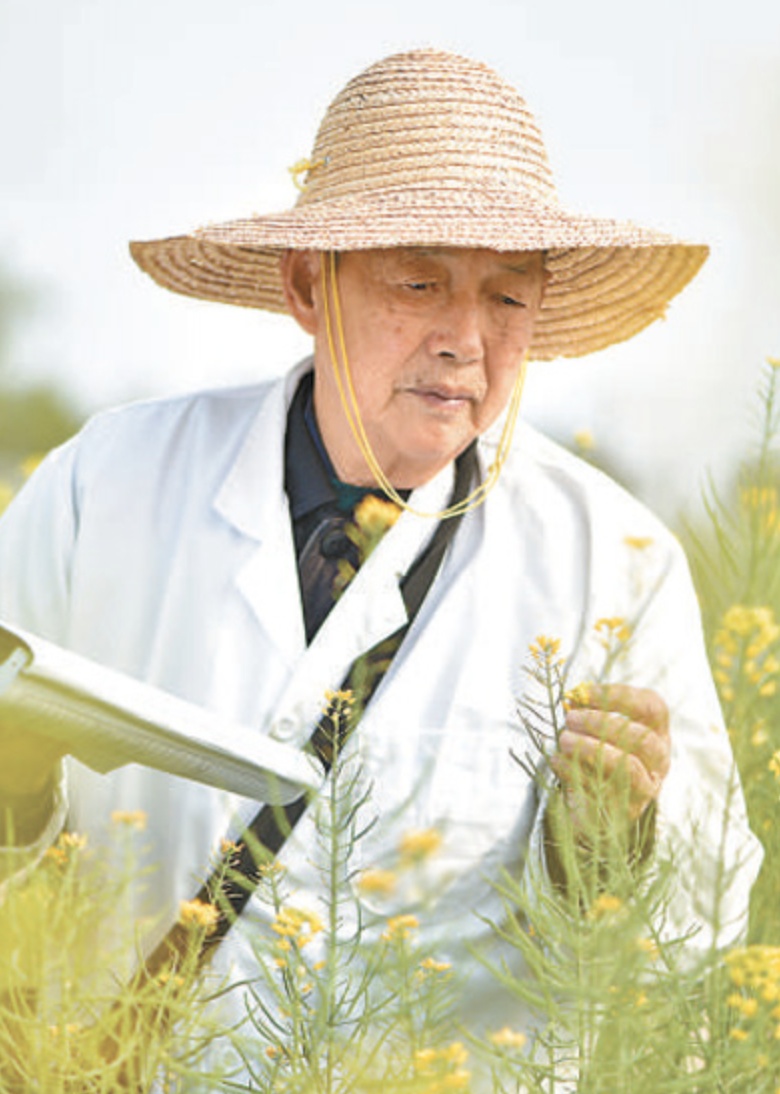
<point>457,336</point>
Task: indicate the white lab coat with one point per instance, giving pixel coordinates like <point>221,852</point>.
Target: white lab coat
<point>159,542</point>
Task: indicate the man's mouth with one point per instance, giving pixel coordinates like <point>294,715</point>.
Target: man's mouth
<point>440,396</point>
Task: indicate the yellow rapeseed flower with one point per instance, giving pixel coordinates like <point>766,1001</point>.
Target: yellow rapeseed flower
<point>400,927</point>
<point>739,1034</point>
<point>545,650</point>
<point>68,845</point>
<point>374,515</point>
<point>419,843</point>
<point>199,914</point>
<point>774,765</point>
<point>72,841</point>
<point>455,1055</point>
<point>760,734</point>
<point>584,440</point>
<point>424,1057</point>
<point>648,946</point>
<point>745,1004</point>
<point>344,697</point>
<point>605,905</point>
<point>757,968</point>
<point>429,964</point>
<point>133,818</point>
<point>581,695</point>
<point>379,882</point>
<point>296,924</point>
<point>638,543</point>
<point>613,628</point>
<point>507,1038</point>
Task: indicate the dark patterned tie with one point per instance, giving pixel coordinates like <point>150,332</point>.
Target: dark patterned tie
<point>318,568</point>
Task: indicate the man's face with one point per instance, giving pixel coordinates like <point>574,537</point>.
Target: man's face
<point>434,338</point>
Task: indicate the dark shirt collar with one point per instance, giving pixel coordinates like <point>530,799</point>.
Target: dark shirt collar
<point>309,476</point>
<point>308,472</point>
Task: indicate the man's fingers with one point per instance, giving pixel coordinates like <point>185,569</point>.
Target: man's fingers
<point>641,705</point>
<point>582,762</point>
<point>616,737</point>
<point>650,745</point>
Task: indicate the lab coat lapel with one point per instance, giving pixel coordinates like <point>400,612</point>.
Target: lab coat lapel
<point>371,609</point>
<point>252,499</point>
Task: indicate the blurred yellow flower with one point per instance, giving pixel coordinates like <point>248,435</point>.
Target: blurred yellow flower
<point>774,765</point>
<point>400,927</point>
<point>135,818</point>
<point>418,844</point>
<point>605,905</point>
<point>381,882</point>
<point>745,1004</point>
<point>648,946</point>
<point>68,845</point>
<point>429,964</point>
<point>639,543</point>
<point>443,1067</point>
<point>745,647</point>
<point>584,440</point>
<point>613,628</point>
<point>507,1038</point>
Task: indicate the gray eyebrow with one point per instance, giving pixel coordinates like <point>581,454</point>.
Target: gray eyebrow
<point>510,267</point>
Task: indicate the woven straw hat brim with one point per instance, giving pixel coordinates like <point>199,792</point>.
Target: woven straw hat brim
<point>609,279</point>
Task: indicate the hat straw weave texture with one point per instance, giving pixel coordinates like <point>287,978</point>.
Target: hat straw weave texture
<point>428,148</point>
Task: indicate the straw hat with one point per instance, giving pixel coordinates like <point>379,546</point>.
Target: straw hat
<point>431,149</point>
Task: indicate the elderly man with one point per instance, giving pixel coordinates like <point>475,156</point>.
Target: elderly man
<point>428,257</point>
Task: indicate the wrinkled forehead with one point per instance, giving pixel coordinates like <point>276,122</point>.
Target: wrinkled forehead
<point>517,262</point>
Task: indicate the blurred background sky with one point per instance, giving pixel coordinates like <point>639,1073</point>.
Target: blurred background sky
<point>126,120</point>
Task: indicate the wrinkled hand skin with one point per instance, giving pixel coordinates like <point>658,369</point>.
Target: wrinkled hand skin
<point>613,755</point>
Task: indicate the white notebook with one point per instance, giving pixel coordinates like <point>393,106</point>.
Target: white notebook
<point>107,719</point>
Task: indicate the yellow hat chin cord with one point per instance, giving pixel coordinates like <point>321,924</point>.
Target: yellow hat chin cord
<point>343,376</point>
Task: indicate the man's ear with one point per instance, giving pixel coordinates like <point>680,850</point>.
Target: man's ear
<point>300,281</point>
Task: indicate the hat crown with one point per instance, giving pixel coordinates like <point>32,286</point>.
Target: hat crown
<point>428,119</point>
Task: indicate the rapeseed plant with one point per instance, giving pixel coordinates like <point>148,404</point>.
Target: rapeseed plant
<point>339,1009</point>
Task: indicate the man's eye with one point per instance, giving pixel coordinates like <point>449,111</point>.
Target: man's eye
<point>418,286</point>
<point>511,301</point>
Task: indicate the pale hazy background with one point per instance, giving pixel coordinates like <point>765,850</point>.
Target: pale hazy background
<point>141,118</point>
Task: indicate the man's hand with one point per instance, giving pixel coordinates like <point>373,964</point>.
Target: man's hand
<point>613,755</point>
